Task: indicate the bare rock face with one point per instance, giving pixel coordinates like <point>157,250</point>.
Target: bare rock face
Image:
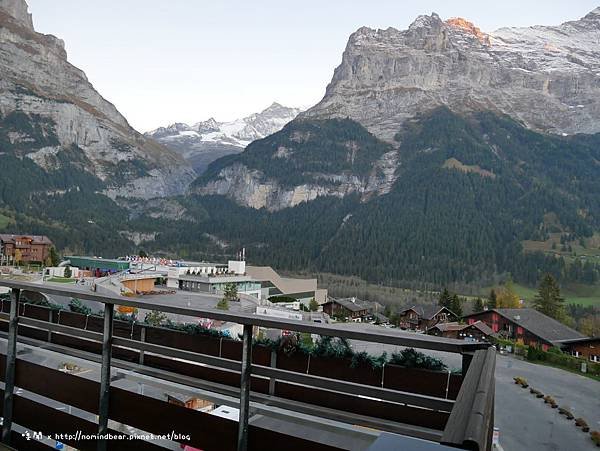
<point>546,77</point>
<point>38,83</point>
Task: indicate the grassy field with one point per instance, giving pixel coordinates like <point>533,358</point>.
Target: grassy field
<point>4,221</point>
<point>573,294</point>
<point>60,280</point>
<point>588,249</point>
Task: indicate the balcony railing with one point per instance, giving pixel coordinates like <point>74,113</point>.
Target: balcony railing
<point>464,422</point>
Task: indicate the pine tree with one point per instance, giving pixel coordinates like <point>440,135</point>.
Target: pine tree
<point>445,299</point>
<point>548,299</point>
<point>493,300</point>
<point>478,305</point>
<point>313,305</point>
<point>231,292</point>
<point>455,305</point>
<point>67,273</point>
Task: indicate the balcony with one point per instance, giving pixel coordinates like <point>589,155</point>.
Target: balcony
<point>84,377</point>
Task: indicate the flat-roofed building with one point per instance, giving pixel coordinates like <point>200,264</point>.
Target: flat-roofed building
<point>217,283</point>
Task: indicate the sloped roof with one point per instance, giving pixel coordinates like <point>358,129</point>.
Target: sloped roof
<point>36,239</point>
<point>353,304</point>
<point>480,325</point>
<point>428,311</point>
<point>284,284</point>
<point>537,323</point>
<point>483,327</point>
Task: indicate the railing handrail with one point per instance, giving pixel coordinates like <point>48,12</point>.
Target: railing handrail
<point>384,336</point>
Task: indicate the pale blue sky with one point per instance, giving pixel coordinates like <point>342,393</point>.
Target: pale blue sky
<point>187,60</point>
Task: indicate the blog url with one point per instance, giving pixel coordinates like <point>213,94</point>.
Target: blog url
<point>81,436</point>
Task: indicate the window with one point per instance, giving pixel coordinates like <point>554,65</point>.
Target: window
<point>595,358</point>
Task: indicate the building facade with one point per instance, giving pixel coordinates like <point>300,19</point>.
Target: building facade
<point>477,331</point>
<point>586,348</point>
<point>526,326</point>
<point>25,248</point>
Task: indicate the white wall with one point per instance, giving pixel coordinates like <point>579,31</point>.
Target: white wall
<point>59,271</point>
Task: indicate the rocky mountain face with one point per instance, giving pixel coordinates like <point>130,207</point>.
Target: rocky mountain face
<point>204,142</point>
<point>52,116</point>
<point>547,77</point>
<point>305,160</point>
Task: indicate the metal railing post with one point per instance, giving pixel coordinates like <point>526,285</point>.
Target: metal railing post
<point>11,356</point>
<point>273,365</point>
<point>245,388</point>
<point>143,340</point>
<point>105,376</point>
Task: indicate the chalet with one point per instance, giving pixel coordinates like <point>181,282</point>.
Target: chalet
<point>477,331</point>
<point>419,317</point>
<point>25,248</point>
<point>586,348</point>
<point>525,325</point>
<point>348,307</point>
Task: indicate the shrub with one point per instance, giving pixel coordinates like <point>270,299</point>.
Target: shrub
<point>566,412</point>
<point>595,435</point>
<point>521,381</point>
<point>332,347</point>
<point>77,306</point>
<point>365,358</point>
<point>549,399</point>
<point>520,349</point>
<point>580,422</point>
<point>409,358</point>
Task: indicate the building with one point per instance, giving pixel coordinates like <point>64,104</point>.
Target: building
<point>210,278</point>
<point>586,348</point>
<point>527,326</point>
<point>98,266</point>
<point>477,331</point>
<point>424,317</point>
<point>348,307</point>
<point>25,248</point>
<point>272,284</point>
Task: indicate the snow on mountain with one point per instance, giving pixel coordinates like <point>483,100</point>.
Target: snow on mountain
<point>547,77</point>
<point>209,140</point>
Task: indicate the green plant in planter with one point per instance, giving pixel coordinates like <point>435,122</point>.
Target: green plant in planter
<point>365,358</point>
<point>580,422</point>
<point>409,358</point>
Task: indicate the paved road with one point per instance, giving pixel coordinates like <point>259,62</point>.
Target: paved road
<point>526,423</point>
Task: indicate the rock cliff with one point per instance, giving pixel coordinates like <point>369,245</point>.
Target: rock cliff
<point>49,95</point>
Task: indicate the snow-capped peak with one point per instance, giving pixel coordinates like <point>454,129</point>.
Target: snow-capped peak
<point>219,138</point>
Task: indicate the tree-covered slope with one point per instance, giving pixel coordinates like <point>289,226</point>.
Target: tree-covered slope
<point>468,190</point>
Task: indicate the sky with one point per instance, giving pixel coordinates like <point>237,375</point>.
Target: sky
<point>170,61</point>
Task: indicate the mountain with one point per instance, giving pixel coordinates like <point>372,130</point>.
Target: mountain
<point>438,154</point>
<point>544,76</point>
<point>204,142</point>
<point>52,120</point>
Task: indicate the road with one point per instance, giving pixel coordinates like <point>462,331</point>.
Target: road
<point>526,423</point>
